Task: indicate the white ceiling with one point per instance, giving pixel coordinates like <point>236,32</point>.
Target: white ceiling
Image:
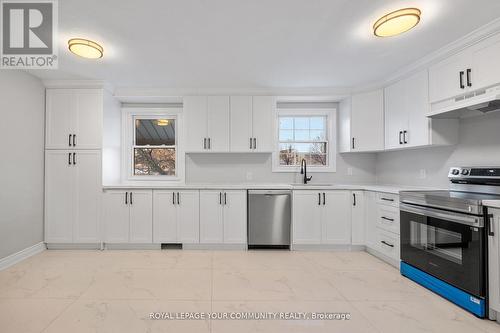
<point>254,43</point>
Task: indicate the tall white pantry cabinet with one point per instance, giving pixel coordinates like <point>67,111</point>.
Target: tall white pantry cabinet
<point>73,143</point>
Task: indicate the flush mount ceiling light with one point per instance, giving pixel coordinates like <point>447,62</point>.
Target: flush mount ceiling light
<point>85,48</point>
<point>397,22</point>
<point>162,122</point>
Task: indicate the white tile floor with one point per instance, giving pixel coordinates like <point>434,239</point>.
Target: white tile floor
<point>115,291</point>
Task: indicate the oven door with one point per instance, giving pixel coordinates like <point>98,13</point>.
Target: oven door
<point>447,245</point>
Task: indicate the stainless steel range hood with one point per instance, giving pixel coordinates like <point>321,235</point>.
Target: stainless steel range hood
<point>471,104</point>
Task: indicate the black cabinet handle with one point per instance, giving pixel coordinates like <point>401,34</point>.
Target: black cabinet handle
<point>131,198</point>
<point>386,218</point>
<point>74,140</point>
<point>354,199</point>
<point>353,143</point>
<point>209,143</point>
<point>386,199</point>
<point>490,225</point>
<point>178,200</point>
<point>319,198</point>
<point>254,143</point>
<point>404,136</point>
<point>462,80</point>
<point>400,140</point>
<point>385,243</point>
<point>126,198</point>
<point>69,140</point>
<point>173,198</point>
<point>69,158</point>
<point>74,158</point>
<point>225,198</point>
<point>324,199</point>
<point>250,143</point>
<point>220,198</point>
<point>469,83</point>
<point>204,143</point>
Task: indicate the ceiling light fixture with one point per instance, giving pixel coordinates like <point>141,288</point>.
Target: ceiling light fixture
<point>397,22</point>
<point>85,48</point>
<point>162,122</point>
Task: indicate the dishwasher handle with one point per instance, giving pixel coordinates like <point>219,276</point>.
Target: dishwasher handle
<point>270,192</point>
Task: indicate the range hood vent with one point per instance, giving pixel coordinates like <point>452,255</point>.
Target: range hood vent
<point>470,104</point>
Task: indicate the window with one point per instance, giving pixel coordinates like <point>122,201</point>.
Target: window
<point>305,134</point>
<point>154,147</point>
<point>152,150</point>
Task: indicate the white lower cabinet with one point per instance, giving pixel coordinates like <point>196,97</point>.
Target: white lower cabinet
<point>72,196</point>
<point>223,217</point>
<point>494,263</point>
<point>127,216</point>
<point>176,216</point>
<point>321,217</point>
<point>358,218</point>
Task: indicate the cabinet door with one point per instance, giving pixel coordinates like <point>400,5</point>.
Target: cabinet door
<point>263,123</point>
<point>195,120</point>
<point>371,216</point>
<point>218,123</point>
<point>115,217</point>
<point>485,71</point>
<point>344,126</point>
<point>188,217</point>
<point>336,218</point>
<point>88,192</point>
<point>235,217</point>
<point>164,217</point>
<point>241,123</point>
<point>358,218</point>
<point>59,118</point>
<point>141,216</point>
<point>494,261</point>
<point>444,77</point>
<point>396,116</point>
<point>417,106</point>
<point>211,221</point>
<point>59,197</point>
<point>367,121</point>
<point>88,113</point>
<point>306,217</point>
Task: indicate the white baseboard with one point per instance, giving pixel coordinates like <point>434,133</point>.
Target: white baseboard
<point>131,246</point>
<point>21,255</point>
<point>73,246</point>
<point>240,247</point>
<point>324,247</point>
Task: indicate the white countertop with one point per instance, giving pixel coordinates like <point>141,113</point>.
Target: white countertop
<point>395,189</point>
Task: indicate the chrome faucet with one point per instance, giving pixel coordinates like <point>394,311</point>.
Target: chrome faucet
<point>303,171</point>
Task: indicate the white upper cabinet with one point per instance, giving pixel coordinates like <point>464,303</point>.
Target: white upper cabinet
<point>321,217</point>
<point>251,123</point>
<point>406,122</point>
<point>206,123</point>
<point>471,69</point>
<point>72,196</point>
<point>74,119</point>
<point>361,122</point>
<point>176,216</point>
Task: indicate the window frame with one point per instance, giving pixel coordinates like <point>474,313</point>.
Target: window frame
<point>129,117</point>
<point>331,134</point>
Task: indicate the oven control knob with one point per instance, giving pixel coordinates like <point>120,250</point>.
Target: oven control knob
<point>455,172</point>
<point>465,172</point>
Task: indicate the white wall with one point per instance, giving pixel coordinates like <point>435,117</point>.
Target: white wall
<point>22,108</point>
<point>479,145</point>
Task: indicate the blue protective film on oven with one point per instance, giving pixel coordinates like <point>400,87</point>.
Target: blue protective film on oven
<point>451,293</point>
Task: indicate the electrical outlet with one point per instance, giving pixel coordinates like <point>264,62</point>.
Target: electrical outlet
<point>349,171</point>
<point>249,175</point>
<point>423,174</point>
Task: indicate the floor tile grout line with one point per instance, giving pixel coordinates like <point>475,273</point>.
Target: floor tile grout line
<point>365,317</point>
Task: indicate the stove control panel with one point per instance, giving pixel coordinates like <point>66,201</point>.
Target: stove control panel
<point>474,172</point>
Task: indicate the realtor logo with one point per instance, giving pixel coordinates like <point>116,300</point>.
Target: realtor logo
<point>28,34</point>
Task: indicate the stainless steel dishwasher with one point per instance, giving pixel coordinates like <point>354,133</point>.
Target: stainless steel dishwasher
<point>269,218</point>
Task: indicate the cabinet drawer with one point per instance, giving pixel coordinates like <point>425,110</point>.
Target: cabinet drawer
<point>388,218</point>
<point>388,244</point>
<point>388,199</point>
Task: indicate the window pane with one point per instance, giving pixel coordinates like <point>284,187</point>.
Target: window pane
<point>301,135</point>
<point>317,135</point>
<point>286,135</point>
<point>286,123</point>
<point>301,122</point>
<point>155,132</point>
<point>293,153</point>
<point>317,123</point>
<point>287,154</point>
<point>154,161</point>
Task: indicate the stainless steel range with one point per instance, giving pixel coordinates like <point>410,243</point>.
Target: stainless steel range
<point>444,236</point>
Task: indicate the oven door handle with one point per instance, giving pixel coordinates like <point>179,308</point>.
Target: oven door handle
<point>473,221</point>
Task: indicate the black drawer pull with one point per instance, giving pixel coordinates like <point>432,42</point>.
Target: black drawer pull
<point>69,140</point>
<point>388,219</point>
<point>178,200</point>
<point>126,198</point>
<point>385,243</point>
<point>461,75</point>
<point>387,199</point>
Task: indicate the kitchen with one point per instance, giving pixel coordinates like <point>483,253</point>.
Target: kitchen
<point>347,182</point>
